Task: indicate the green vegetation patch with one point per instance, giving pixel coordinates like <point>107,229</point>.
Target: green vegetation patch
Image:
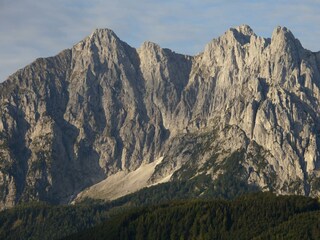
<point>248,217</point>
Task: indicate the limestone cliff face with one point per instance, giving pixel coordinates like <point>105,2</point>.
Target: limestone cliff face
<point>70,121</point>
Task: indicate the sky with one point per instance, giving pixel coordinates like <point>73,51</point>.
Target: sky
<point>41,28</point>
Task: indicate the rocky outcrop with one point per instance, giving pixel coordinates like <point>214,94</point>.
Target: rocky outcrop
<point>101,108</point>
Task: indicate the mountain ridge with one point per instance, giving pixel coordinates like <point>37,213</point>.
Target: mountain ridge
<point>70,121</point>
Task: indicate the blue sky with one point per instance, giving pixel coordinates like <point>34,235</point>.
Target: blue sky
<point>42,28</point>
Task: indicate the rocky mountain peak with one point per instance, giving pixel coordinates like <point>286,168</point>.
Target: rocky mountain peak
<point>104,35</point>
<point>99,39</point>
<point>233,38</point>
<point>101,47</point>
<point>282,33</point>
<point>240,34</point>
<point>284,39</point>
<point>150,45</point>
<point>245,30</point>
<point>150,50</point>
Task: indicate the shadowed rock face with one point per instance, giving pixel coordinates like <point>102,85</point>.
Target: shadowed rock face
<point>70,121</point>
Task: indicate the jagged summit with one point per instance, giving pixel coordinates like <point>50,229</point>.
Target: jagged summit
<point>285,36</point>
<point>283,31</point>
<point>102,32</point>
<point>240,34</point>
<point>150,45</point>
<point>244,29</point>
<point>99,37</point>
<point>245,111</point>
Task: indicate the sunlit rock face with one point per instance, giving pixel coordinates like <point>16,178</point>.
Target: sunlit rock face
<point>103,108</point>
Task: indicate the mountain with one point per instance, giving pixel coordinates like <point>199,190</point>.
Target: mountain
<point>103,119</point>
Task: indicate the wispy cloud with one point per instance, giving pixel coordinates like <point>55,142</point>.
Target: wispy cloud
<point>40,28</point>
